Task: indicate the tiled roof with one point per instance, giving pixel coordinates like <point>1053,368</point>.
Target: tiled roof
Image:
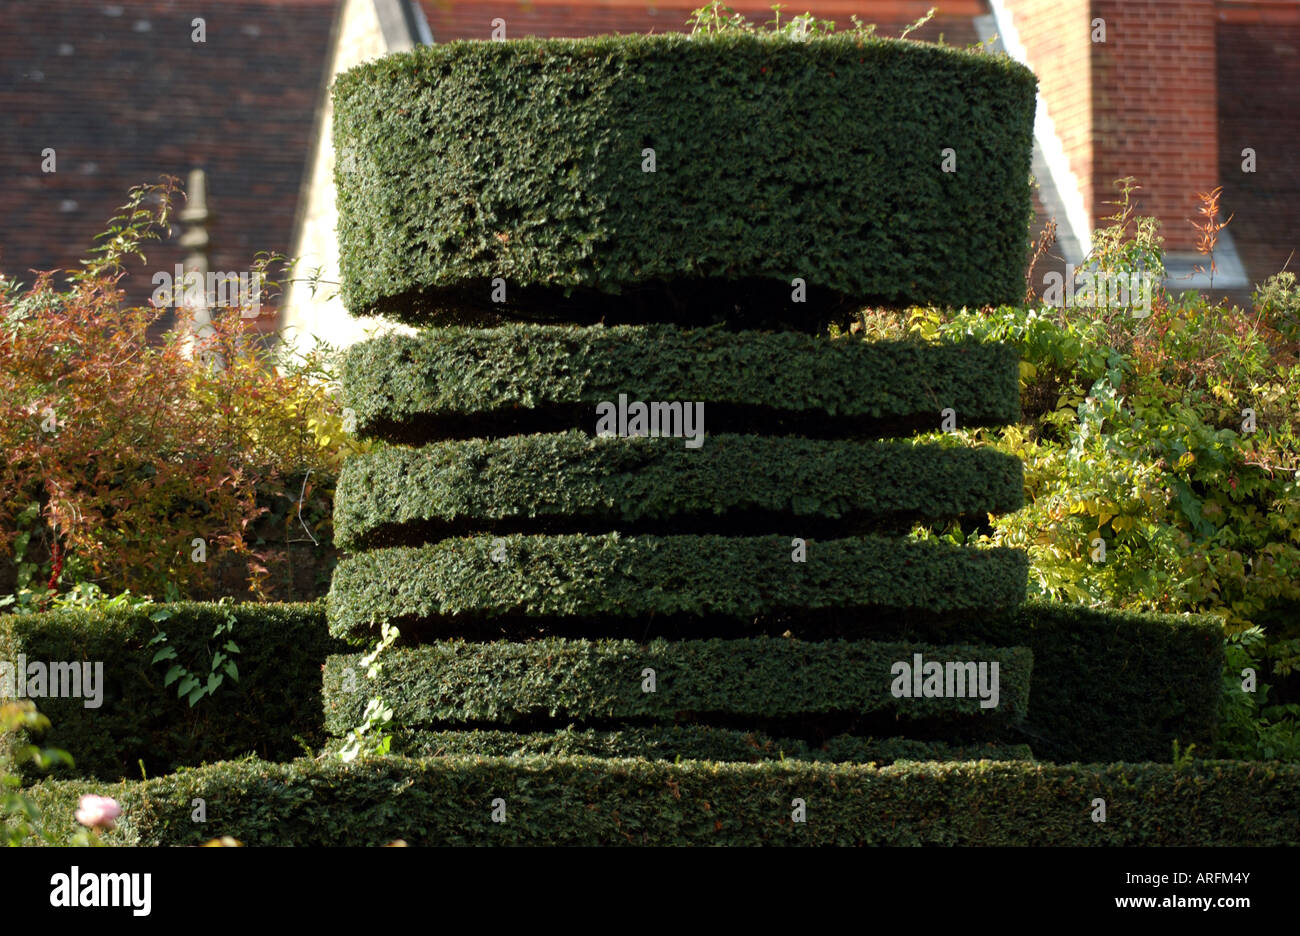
<point>123,95</point>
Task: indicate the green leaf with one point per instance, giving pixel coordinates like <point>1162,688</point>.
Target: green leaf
<point>173,674</point>
<point>166,653</point>
<point>232,670</point>
<point>214,682</point>
<point>187,685</point>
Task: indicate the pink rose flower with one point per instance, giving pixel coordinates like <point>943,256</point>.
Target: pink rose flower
<point>98,811</point>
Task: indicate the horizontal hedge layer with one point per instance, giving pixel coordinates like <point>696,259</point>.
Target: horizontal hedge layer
<point>460,163</point>
<point>277,696</point>
<point>585,801</point>
<point>549,483</point>
<point>689,742</point>
<point>503,683</point>
<point>629,576</point>
<point>450,381</point>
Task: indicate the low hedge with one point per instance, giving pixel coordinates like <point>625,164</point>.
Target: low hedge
<point>275,701</point>
<point>1109,685</point>
<point>463,162</point>
<point>689,742</point>
<point>596,801</point>
<point>541,681</point>
<point>613,576</point>
<point>476,382</point>
<point>570,481</point>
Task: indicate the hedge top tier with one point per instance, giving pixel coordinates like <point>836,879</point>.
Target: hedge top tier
<point>749,179</point>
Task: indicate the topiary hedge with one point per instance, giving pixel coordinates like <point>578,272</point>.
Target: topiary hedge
<point>463,162</point>
<point>688,742</point>
<point>549,679</point>
<point>443,585</point>
<point>479,382</point>
<point>597,801</point>
<point>572,481</point>
<point>275,701</point>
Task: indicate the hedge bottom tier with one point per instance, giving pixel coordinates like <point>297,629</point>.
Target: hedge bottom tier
<point>590,801</point>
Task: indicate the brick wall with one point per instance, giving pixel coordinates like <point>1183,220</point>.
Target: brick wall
<point>1155,108</point>
<point>1142,103</point>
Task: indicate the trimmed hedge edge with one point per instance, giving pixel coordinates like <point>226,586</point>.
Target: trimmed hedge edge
<point>609,575</point>
<point>565,482</point>
<point>528,378</point>
<point>586,801</point>
<point>688,742</point>
<point>451,683</point>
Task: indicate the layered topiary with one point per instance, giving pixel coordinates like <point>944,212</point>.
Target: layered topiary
<point>525,378</point>
<point>502,683</point>
<point>571,481</point>
<point>526,161</point>
<point>741,602</point>
<point>599,801</point>
<point>452,583</point>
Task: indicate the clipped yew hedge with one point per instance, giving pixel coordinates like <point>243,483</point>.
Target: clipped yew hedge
<point>570,481</point>
<point>504,682</point>
<point>275,701</point>
<point>467,161</point>
<point>438,586</point>
<point>689,742</point>
<point>597,801</point>
<point>466,381</point>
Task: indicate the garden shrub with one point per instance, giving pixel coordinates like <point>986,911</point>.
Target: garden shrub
<point>122,451</point>
<point>275,699</point>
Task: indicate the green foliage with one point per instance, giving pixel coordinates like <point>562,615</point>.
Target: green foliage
<point>122,450</point>
<point>399,495</point>
<point>503,682</point>
<point>1279,302</point>
<point>221,664</point>
<point>563,212</point>
<point>1252,728</point>
<point>282,648</point>
<point>1173,439</point>
<point>690,742</point>
<point>21,821</point>
<point>415,388</point>
<point>367,737</point>
<point>448,584</point>
<point>588,801</point>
